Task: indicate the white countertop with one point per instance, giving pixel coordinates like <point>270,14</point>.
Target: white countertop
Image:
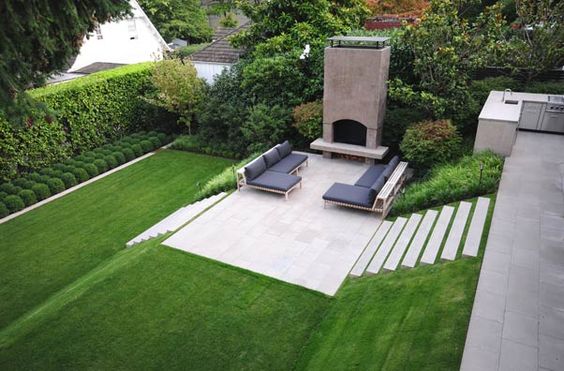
<point>496,109</point>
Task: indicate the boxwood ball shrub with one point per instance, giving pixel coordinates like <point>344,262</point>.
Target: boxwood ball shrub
<point>3,210</point>
<point>431,142</point>
<point>146,145</point>
<point>111,161</point>
<point>28,197</point>
<point>36,177</point>
<point>162,137</point>
<point>91,169</point>
<point>14,203</point>
<point>80,174</point>
<point>101,165</point>
<point>9,188</point>
<point>22,183</point>
<point>128,153</point>
<point>136,148</point>
<point>55,185</point>
<point>69,179</point>
<point>156,141</point>
<point>119,156</point>
<point>2,195</point>
<point>41,191</point>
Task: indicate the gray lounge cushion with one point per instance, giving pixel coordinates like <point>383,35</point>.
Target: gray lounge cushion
<point>255,169</point>
<point>350,194</point>
<point>288,163</point>
<point>370,176</point>
<point>271,157</point>
<point>379,184</point>
<point>277,181</point>
<point>391,166</point>
<point>284,149</point>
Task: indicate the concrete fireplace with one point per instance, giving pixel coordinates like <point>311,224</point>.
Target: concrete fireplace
<point>354,98</point>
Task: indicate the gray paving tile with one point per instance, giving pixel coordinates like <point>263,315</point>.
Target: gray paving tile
<point>517,357</point>
<point>362,262</point>
<point>386,246</point>
<point>493,282</point>
<point>403,241</point>
<point>552,295</point>
<point>477,359</point>
<point>523,279</point>
<point>484,334</point>
<point>475,231</point>
<point>496,262</point>
<point>523,302</point>
<point>551,353</point>
<point>489,306</point>
<point>525,258</point>
<point>551,322</point>
<point>437,236</point>
<point>421,236</point>
<point>521,328</point>
<point>457,229</point>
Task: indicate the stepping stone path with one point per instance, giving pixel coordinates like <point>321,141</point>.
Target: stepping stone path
<point>400,243</point>
<point>176,219</point>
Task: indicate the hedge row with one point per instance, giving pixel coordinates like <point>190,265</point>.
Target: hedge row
<point>36,186</point>
<point>77,116</point>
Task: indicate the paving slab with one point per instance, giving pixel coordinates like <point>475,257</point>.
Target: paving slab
<point>437,236</point>
<point>476,229</point>
<point>368,254</point>
<point>523,266</point>
<point>455,235</point>
<point>403,241</point>
<point>296,241</point>
<point>384,250</point>
<point>421,236</point>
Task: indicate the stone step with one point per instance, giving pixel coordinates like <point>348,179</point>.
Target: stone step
<point>432,248</point>
<point>382,253</point>
<point>456,231</point>
<point>176,219</point>
<point>402,243</point>
<point>362,262</point>
<point>416,246</point>
<point>476,229</point>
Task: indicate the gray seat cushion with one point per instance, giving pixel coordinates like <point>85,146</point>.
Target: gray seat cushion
<point>271,157</point>
<point>277,181</point>
<point>288,163</point>
<point>391,166</point>
<point>284,149</point>
<point>370,176</point>
<point>350,194</point>
<point>255,168</point>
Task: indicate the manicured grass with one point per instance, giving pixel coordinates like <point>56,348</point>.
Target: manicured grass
<point>165,309</point>
<point>410,320</point>
<point>46,249</point>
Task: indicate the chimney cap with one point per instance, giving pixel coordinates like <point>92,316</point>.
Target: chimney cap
<point>358,41</point>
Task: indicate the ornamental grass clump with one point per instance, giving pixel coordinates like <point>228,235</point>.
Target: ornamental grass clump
<point>431,142</point>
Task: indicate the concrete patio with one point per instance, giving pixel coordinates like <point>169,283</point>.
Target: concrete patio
<point>297,241</point>
<point>517,321</point>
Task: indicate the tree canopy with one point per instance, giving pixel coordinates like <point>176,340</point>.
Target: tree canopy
<point>39,37</point>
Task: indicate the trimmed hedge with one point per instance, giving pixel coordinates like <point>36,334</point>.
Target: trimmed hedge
<point>69,179</point>
<point>80,115</point>
<point>28,197</point>
<point>55,185</point>
<point>14,203</point>
<point>41,191</point>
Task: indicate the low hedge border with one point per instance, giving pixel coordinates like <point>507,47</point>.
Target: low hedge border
<point>37,186</point>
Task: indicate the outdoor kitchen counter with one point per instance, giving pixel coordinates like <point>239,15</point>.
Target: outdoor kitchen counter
<point>496,109</point>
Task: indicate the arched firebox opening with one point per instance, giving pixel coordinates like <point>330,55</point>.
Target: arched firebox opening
<point>350,132</point>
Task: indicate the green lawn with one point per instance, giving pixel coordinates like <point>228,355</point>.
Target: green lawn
<point>46,249</point>
<point>72,297</point>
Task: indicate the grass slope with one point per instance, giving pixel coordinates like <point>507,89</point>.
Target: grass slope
<point>46,249</point>
<point>165,309</point>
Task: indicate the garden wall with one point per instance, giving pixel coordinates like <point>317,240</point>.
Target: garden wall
<point>77,116</point>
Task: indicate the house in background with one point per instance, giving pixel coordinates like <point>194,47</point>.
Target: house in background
<point>217,56</point>
<point>133,39</point>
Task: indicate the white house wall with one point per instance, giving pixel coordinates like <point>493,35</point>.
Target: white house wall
<point>209,71</point>
<point>127,41</point>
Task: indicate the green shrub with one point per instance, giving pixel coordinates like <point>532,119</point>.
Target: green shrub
<point>14,203</point>
<point>162,137</point>
<point>120,157</point>
<point>3,210</point>
<point>452,182</point>
<point>266,126</point>
<point>22,183</point>
<point>2,195</point>
<point>396,122</point>
<point>9,188</point>
<point>430,142</point>
<point>49,171</point>
<point>308,119</point>
<point>146,145</point>
<point>101,165</point>
<point>111,161</point>
<point>224,181</point>
<point>156,141</point>
<point>136,148</point>
<point>480,89</point>
<point>41,191</point>
<point>194,143</point>
<point>80,174</point>
<point>69,179</point>
<point>102,151</point>
<point>35,177</point>
<point>44,179</point>
<point>81,158</point>
<point>544,87</point>
<point>58,166</point>
<point>28,197</point>
<point>89,154</point>
<point>91,169</point>
<point>128,153</point>
<point>55,185</point>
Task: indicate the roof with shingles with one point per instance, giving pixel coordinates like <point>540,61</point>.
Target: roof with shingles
<point>220,50</point>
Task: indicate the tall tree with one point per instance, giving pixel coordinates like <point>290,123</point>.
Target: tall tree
<point>38,37</point>
<point>185,19</point>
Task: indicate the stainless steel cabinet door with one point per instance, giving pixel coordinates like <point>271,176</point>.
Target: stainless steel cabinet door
<point>531,115</point>
<point>553,121</point>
